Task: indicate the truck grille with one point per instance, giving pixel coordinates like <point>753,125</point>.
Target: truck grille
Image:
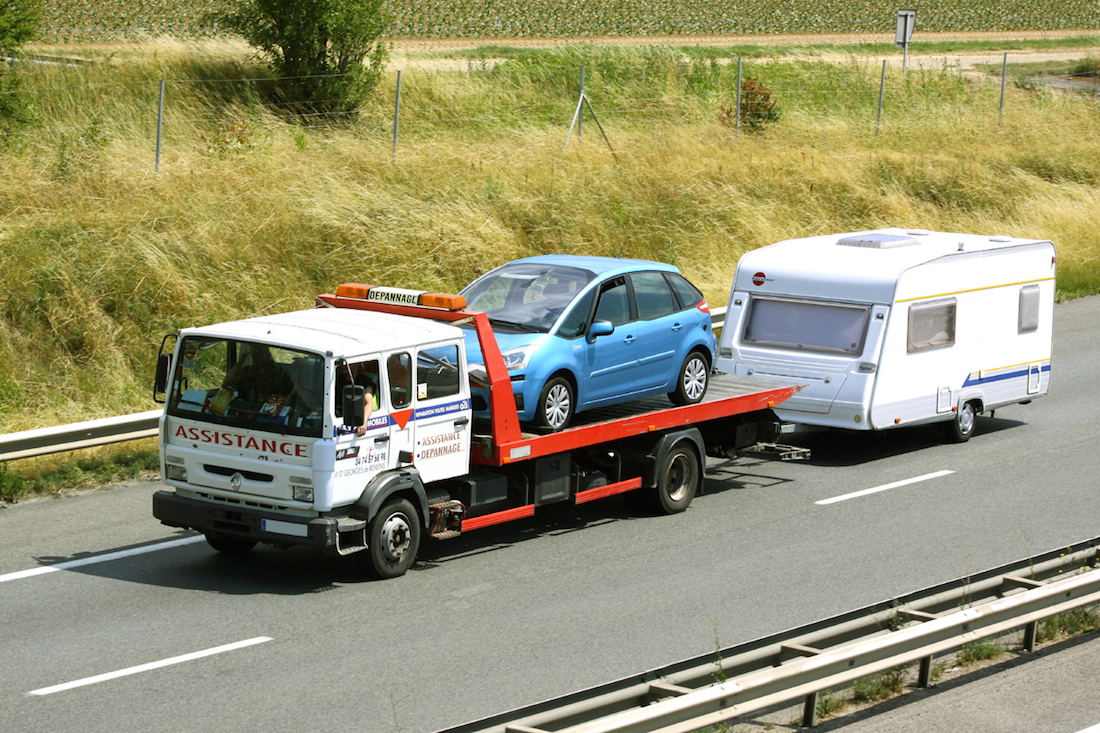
<point>250,475</point>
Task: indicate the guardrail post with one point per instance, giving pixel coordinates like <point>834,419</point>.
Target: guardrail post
<point>809,710</point>
<point>1031,631</point>
<point>924,676</point>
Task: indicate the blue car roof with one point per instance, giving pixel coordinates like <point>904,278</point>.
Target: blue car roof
<point>598,265</point>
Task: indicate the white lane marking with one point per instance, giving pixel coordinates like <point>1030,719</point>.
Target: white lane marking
<point>150,666</point>
<point>100,558</point>
<point>884,487</point>
<point>1092,729</point>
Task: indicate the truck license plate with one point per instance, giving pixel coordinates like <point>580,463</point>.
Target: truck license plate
<point>274,525</point>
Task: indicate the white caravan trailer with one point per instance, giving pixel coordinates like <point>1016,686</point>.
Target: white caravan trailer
<point>890,327</point>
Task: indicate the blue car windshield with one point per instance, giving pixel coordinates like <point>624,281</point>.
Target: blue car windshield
<point>526,297</point>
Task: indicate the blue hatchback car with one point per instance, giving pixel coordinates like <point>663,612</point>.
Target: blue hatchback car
<point>583,332</point>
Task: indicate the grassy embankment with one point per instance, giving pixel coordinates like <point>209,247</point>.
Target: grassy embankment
<point>250,214</point>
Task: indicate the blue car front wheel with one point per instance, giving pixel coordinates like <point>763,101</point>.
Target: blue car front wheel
<point>556,404</point>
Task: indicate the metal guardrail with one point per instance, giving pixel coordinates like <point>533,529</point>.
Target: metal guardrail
<point>799,663</point>
<point>43,441</point>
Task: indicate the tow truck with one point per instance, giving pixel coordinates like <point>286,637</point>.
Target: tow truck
<point>270,435</point>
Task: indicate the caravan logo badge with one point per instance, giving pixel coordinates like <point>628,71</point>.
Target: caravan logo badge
<point>758,279</point>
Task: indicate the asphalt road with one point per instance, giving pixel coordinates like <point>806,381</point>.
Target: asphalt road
<point>507,616</point>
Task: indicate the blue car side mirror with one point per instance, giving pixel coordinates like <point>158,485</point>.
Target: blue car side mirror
<point>600,328</point>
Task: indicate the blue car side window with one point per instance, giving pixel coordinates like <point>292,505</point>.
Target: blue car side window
<point>653,295</point>
<point>575,323</point>
<point>614,303</point>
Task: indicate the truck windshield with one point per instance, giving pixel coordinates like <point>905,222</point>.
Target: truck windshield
<point>248,385</point>
<point>527,297</point>
<point>809,325</point>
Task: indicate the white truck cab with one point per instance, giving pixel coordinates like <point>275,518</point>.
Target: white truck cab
<point>253,417</point>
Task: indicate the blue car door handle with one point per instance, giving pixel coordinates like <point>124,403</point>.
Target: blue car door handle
<point>628,340</point>
<point>677,326</point>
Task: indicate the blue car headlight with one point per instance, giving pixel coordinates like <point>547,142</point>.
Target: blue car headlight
<point>518,357</point>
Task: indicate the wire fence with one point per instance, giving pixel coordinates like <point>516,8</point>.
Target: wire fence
<point>235,112</point>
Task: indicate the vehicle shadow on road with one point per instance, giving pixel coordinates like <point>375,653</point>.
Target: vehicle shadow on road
<point>298,571</point>
<point>852,448</point>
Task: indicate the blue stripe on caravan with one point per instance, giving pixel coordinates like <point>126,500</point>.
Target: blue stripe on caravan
<point>971,381</point>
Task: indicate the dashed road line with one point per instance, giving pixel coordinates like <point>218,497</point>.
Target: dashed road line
<point>150,666</point>
<point>884,487</point>
<point>69,564</point>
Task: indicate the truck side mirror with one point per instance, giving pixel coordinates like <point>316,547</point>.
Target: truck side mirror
<point>354,402</point>
<point>600,328</point>
<point>164,368</point>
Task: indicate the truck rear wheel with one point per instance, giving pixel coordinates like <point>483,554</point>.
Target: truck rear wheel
<point>394,537</point>
<point>678,479</point>
<point>230,545</point>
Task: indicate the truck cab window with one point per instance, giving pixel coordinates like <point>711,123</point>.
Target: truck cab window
<point>437,372</point>
<point>398,367</point>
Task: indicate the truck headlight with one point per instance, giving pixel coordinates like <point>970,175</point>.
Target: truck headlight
<point>303,493</point>
<point>175,473</point>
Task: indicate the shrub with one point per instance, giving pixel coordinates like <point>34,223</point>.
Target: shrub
<point>757,107</point>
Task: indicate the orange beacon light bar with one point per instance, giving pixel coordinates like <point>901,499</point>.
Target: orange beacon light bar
<point>401,296</point>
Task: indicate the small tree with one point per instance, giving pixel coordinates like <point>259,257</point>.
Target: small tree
<point>326,52</point>
<point>757,107</point>
<point>19,22</point>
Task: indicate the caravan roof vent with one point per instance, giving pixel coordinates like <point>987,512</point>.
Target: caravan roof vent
<point>877,240</point>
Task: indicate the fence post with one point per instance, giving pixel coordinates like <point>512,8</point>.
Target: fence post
<point>738,124</point>
<point>1004,70</point>
<point>881,91</point>
<point>396,114</point>
<point>580,118</point>
<point>160,126</point>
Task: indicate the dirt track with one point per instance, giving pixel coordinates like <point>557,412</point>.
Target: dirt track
<point>402,46</point>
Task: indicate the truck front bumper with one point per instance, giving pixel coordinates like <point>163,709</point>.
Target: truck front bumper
<point>244,522</point>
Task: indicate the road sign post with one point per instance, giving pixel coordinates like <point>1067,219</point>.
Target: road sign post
<point>907,20</point>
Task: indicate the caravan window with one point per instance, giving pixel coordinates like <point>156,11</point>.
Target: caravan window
<point>1029,309</point>
<point>931,325</point>
<point>804,324</point>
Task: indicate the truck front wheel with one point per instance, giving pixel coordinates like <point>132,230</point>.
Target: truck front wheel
<point>394,538</point>
<point>230,545</point>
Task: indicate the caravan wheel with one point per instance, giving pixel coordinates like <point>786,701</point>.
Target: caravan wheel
<point>961,428</point>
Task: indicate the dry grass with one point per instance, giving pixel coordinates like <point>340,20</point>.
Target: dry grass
<point>101,257</point>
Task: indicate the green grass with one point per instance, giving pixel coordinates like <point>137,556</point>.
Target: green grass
<point>979,651</point>
<point>35,477</point>
<point>879,687</point>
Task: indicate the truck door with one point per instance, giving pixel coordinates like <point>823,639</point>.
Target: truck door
<point>441,420</point>
<point>611,361</point>
<point>359,458</point>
